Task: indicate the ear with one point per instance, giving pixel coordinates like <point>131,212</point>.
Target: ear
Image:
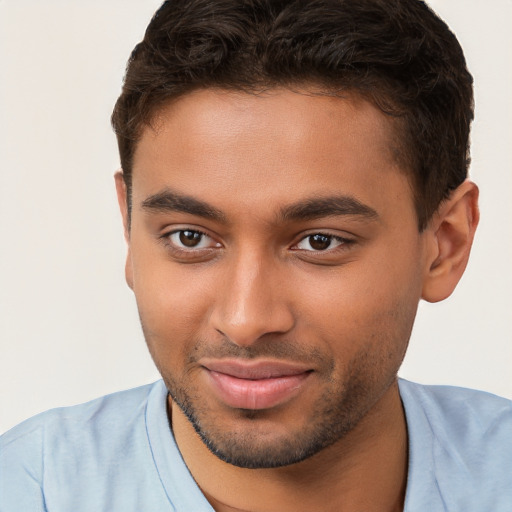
<point>450,235</point>
<point>122,199</point>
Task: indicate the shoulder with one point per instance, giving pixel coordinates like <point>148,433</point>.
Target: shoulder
<point>453,409</point>
<point>109,410</point>
<point>460,447</point>
<point>61,443</point>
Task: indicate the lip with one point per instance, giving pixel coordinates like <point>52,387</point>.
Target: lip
<point>255,385</point>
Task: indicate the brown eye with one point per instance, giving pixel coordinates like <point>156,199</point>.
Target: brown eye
<point>190,238</point>
<point>320,242</point>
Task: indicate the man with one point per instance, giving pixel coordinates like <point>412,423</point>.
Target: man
<point>294,182</point>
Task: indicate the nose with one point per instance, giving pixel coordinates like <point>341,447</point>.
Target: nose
<point>252,301</point>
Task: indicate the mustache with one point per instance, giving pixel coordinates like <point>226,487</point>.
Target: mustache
<point>285,350</point>
<point>268,347</point>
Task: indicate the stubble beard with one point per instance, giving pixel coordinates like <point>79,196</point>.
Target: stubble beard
<point>336,413</point>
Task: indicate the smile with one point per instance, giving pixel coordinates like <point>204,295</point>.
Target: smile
<point>255,386</point>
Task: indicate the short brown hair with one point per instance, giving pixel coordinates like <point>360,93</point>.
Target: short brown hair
<point>398,54</point>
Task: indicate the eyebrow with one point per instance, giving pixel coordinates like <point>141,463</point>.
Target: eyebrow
<point>168,201</point>
<point>315,208</point>
<point>308,209</point>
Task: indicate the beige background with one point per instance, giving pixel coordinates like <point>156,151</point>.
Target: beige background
<point>68,324</point>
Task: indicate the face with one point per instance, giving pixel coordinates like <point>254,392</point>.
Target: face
<point>277,266</point>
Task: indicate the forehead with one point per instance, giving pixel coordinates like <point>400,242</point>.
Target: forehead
<point>278,146</point>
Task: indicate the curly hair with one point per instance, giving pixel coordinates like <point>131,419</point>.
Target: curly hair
<point>397,54</point>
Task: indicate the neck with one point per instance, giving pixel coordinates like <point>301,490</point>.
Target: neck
<point>366,470</point>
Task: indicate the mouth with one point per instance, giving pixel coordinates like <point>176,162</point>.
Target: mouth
<point>255,385</point>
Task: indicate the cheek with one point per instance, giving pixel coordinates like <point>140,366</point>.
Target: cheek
<point>364,308</point>
<point>173,304</point>
<point>358,291</point>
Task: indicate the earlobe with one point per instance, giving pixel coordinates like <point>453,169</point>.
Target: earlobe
<point>128,271</point>
<point>450,237</point>
<point>123,206</point>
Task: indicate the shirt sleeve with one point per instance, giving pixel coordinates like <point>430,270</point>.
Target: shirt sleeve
<point>22,470</point>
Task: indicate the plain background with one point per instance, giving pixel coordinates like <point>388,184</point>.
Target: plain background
<point>68,323</point>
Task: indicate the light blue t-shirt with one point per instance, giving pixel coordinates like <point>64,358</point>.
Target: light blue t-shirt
<point>118,454</point>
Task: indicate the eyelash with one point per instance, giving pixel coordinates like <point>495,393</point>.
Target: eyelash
<point>166,238</point>
<point>343,243</point>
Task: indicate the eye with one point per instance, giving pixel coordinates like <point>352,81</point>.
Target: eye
<point>320,242</point>
<point>190,239</point>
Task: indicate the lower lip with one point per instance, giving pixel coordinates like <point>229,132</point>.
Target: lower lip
<point>256,394</point>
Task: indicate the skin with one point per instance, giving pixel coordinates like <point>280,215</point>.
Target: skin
<point>237,171</point>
